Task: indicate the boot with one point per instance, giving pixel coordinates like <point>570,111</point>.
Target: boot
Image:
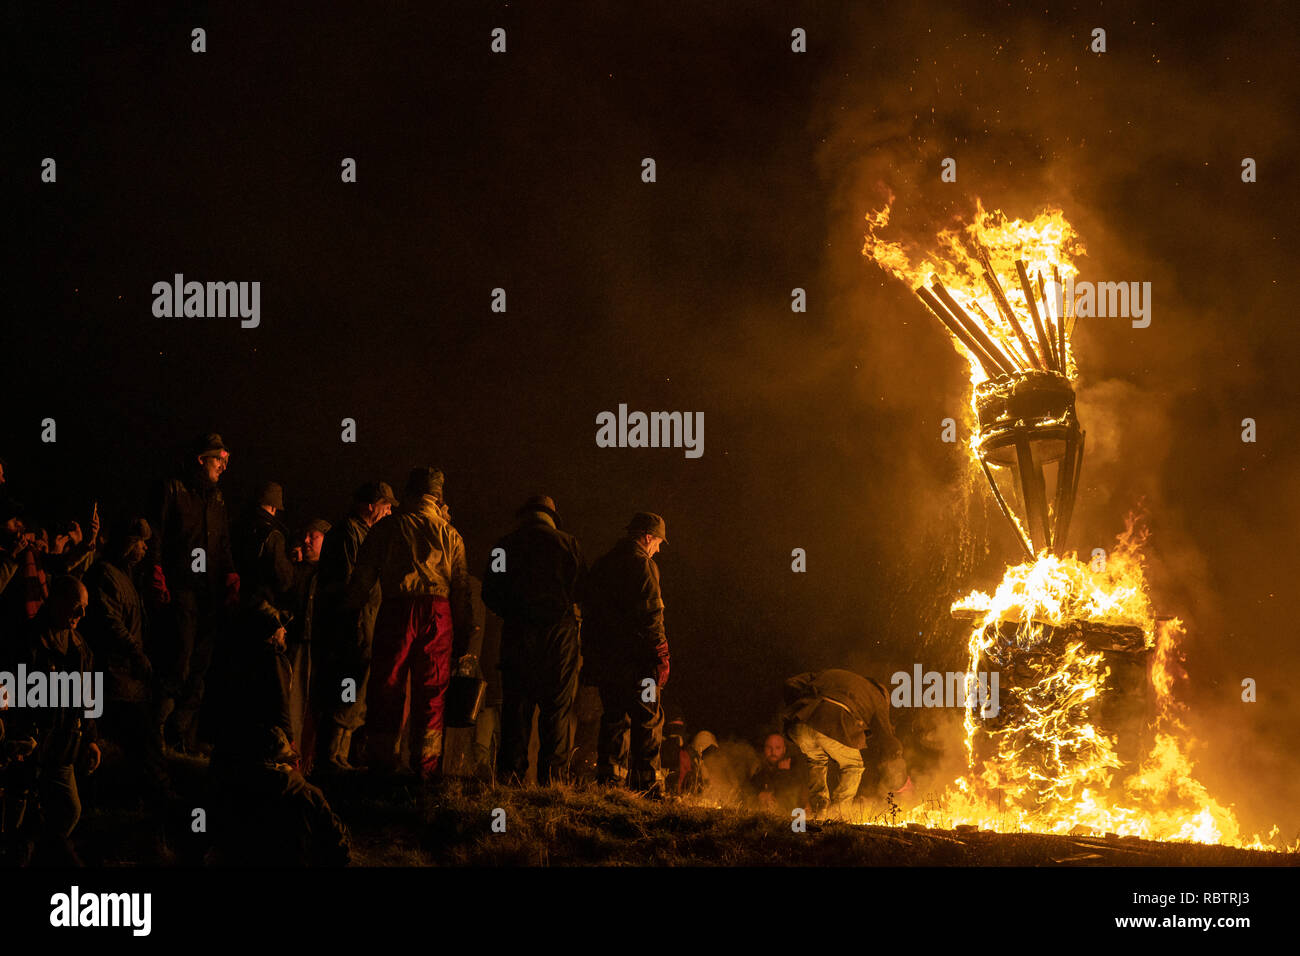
<point>336,752</point>
<point>426,755</point>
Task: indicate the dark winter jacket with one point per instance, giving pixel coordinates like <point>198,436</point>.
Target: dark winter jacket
<point>539,588</point>
<point>305,578</point>
<point>338,558</point>
<point>114,629</point>
<point>60,732</point>
<point>192,514</point>
<point>623,614</point>
<point>262,559</point>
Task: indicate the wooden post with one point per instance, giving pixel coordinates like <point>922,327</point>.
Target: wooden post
<point>1044,343</point>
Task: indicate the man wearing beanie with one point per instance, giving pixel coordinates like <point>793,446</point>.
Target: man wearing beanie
<point>425,622</point>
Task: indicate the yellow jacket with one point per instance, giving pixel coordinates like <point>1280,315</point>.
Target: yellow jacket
<point>416,553</point>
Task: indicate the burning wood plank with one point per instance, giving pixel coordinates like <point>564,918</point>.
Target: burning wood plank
<point>1060,319</point>
<point>1044,342</point>
<point>973,327</point>
<point>1100,635</point>
<point>990,365</point>
<point>1000,299</point>
<point>1049,322</point>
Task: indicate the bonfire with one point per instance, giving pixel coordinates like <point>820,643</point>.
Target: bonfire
<point>1089,737</point>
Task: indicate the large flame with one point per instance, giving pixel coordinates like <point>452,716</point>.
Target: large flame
<point>1047,243</point>
<point>1048,766</point>
<point>1046,763</point>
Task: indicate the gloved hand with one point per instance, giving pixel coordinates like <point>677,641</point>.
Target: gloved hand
<point>232,589</point>
<point>158,586</point>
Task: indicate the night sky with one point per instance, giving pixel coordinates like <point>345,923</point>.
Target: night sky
<point>523,171</point>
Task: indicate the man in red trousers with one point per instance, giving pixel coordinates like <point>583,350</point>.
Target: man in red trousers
<point>425,622</point>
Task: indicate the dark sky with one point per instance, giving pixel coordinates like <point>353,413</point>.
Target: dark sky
<point>522,171</point>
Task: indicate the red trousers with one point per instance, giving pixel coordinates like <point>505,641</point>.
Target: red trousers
<point>413,637</point>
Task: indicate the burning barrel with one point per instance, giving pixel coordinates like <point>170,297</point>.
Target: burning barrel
<point>1075,705</point>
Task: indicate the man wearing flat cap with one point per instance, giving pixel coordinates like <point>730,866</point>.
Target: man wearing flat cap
<point>193,574</point>
<point>343,647</point>
<point>425,622</point>
<point>533,582</point>
<point>625,652</point>
<point>301,634</point>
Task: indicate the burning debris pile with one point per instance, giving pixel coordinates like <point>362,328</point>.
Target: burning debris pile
<point>1088,735</point>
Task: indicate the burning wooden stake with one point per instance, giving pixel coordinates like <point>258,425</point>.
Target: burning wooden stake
<point>1008,348</point>
<point>1060,319</point>
<point>991,368</point>
<point>999,297</point>
<point>1044,343</point>
<point>1049,322</point>
<point>971,326</point>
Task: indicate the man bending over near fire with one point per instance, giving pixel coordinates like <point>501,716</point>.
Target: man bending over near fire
<point>829,715</point>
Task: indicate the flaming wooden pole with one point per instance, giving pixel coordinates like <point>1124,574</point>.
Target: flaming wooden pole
<point>1060,319</point>
<point>991,280</point>
<point>971,325</point>
<point>1049,322</point>
<point>1007,346</point>
<point>991,367</point>
<point>1044,343</point>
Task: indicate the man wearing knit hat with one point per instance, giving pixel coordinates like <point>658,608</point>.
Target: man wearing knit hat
<point>425,622</point>
<point>533,582</point>
<point>625,652</point>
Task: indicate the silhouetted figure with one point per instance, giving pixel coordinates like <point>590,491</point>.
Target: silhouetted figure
<point>533,581</point>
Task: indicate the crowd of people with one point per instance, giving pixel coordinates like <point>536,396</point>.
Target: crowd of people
<point>280,657</point>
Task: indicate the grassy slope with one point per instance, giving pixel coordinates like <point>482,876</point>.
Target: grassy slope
<point>561,826</point>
